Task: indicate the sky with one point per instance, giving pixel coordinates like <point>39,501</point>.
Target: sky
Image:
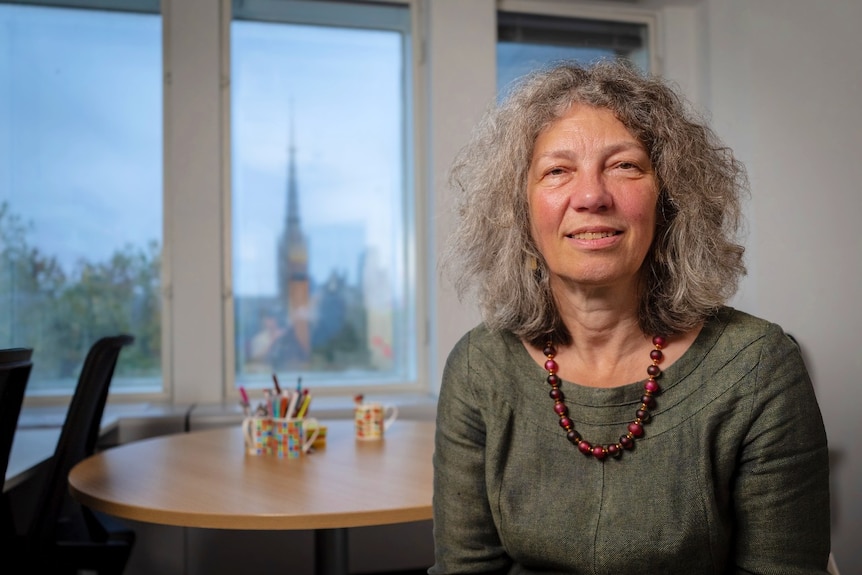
<point>80,135</point>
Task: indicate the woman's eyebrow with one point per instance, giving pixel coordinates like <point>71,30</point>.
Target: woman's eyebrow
<point>614,148</point>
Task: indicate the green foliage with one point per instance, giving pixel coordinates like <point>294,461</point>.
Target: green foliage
<point>60,316</point>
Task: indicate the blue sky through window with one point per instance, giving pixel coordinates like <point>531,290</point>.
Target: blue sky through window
<point>81,128</point>
<point>337,92</point>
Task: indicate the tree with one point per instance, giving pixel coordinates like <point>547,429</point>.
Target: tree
<point>61,315</point>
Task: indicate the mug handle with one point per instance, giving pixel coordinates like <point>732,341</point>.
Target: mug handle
<point>309,441</point>
<point>246,432</point>
<point>393,414</point>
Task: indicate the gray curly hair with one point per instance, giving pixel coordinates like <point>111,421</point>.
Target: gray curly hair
<point>694,265</point>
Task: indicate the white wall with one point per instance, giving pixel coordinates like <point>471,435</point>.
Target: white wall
<point>461,66</point>
<point>782,80</point>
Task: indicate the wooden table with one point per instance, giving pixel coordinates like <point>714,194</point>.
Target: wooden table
<point>205,479</point>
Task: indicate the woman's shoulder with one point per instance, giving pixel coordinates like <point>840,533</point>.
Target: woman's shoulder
<point>738,359</point>
<point>738,324</point>
<point>486,348</point>
<point>738,333</point>
<point>484,340</point>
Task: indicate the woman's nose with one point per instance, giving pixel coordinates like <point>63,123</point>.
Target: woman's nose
<point>590,193</point>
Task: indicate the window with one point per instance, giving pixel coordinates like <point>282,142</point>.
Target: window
<point>321,202</point>
<point>80,189</point>
<point>527,41</point>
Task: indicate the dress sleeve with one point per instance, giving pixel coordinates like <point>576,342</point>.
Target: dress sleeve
<point>465,535</point>
<point>781,491</point>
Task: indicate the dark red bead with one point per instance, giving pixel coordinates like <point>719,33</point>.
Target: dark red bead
<point>642,414</point>
<point>561,409</point>
<point>614,450</point>
<point>652,386</point>
<point>636,429</point>
<point>585,447</point>
<point>599,452</point>
<point>658,341</point>
<point>648,400</point>
<point>551,365</point>
<point>550,350</point>
<point>573,436</point>
<point>627,442</point>
<point>653,371</point>
<point>656,355</point>
<point>556,394</point>
<point>553,379</point>
<point>566,423</point>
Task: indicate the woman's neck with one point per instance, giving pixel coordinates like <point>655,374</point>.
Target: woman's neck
<point>608,347</point>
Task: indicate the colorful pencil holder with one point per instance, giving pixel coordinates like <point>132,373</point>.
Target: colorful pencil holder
<point>290,437</point>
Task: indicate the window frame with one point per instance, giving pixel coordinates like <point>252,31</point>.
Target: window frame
<point>411,215</point>
<point>617,13</point>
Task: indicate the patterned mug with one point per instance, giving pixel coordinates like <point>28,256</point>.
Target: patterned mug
<point>258,435</point>
<point>373,419</point>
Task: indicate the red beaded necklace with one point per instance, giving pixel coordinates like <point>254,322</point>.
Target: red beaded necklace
<point>635,429</point>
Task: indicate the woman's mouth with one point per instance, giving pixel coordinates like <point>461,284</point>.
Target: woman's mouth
<point>592,235</point>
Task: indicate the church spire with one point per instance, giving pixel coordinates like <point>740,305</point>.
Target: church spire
<point>293,240</point>
<point>293,278</point>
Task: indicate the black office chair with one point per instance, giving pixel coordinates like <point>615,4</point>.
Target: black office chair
<point>15,366</point>
<point>64,536</point>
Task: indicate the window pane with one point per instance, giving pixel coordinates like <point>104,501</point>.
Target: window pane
<point>80,190</point>
<point>528,41</point>
<point>321,200</point>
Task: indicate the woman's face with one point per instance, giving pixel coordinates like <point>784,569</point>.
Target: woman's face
<point>592,195</point>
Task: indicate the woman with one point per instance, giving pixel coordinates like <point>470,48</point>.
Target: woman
<point>612,414</point>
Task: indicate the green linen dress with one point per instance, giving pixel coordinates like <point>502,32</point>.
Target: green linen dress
<point>731,476</point>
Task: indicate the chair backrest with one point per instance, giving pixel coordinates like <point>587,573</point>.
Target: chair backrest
<point>79,434</point>
<point>15,366</point>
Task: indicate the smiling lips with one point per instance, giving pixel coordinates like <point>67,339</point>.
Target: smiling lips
<point>591,235</point>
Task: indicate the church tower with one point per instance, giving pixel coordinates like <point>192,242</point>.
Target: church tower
<point>293,278</point>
